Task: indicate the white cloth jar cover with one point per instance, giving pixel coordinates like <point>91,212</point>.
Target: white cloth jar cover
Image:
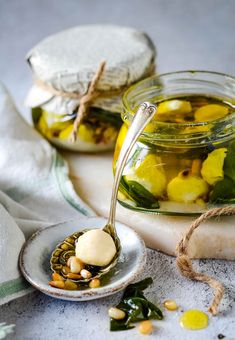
<point>68,61</point>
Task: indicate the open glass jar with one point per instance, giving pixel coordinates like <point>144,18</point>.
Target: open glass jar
<point>184,162</point>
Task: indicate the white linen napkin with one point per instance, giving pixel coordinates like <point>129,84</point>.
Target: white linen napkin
<point>35,192</point>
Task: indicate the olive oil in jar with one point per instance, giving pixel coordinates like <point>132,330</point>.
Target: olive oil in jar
<point>192,109</point>
<point>185,163</point>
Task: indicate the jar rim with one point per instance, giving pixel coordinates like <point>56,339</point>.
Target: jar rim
<point>127,93</point>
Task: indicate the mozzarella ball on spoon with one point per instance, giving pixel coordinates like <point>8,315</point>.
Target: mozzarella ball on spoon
<point>95,247</point>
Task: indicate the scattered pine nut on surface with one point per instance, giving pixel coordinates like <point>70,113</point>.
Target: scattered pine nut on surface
<point>116,313</point>
<point>170,305</point>
<point>146,327</point>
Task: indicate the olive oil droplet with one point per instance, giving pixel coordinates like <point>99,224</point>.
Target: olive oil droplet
<point>194,319</point>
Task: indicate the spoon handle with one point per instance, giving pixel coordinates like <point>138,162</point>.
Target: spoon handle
<point>143,116</point>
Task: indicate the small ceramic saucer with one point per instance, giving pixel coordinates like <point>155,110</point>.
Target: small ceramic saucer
<point>35,259</point>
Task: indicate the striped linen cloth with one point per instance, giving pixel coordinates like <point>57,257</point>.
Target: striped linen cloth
<point>35,192</point>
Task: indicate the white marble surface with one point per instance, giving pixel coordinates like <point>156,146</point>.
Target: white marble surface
<point>188,34</point>
<point>158,231</point>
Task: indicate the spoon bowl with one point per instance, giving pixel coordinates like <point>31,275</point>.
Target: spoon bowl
<point>66,249</point>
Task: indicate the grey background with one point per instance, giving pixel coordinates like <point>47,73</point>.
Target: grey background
<point>188,35</point>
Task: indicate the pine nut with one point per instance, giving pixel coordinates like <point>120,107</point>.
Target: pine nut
<point>74,276</point>
<point>69,261</point>
<point>170,305</point>
<point>57,284</point>
<point>75,265</point>
<point>95,283</point>
<point>116,313</point>
<point>70,285</point>
<point>57,277</point>
<point>146,327</point>
<point>86,274</point>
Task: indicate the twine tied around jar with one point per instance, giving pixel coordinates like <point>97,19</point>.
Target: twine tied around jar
<point>86,101</point>
<point>87,98</point>
<point>184,262</point>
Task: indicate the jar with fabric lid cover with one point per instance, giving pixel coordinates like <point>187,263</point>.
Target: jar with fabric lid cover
<point>184,162</point>
<point>79,77</point>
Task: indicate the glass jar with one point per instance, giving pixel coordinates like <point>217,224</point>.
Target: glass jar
<point>87,68</point>
<point>97,132</point>
<point>185,166</point>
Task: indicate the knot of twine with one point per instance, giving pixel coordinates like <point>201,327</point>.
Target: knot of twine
<point>184,263</point>
<point>85,100</point>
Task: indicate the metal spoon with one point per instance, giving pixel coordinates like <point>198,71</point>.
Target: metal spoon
<point>141,119</point>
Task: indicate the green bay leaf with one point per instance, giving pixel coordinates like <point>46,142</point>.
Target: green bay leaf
<point>224,191</point>
<point>229,162</point>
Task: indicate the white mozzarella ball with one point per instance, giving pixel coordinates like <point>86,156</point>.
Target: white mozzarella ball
<point>95,247</point>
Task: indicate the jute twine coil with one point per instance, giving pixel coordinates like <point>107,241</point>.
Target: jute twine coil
<point>87,98</point>
<point>184,263</point>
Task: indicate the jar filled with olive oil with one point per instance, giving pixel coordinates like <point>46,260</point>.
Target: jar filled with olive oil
<point>184,162</point>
